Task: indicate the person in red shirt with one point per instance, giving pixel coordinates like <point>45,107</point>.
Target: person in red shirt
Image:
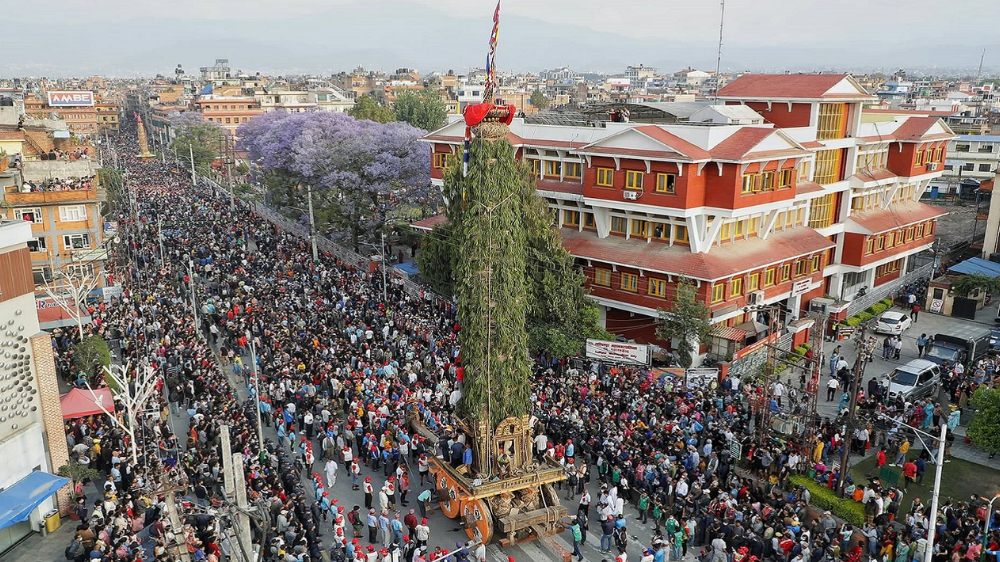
<point>909,472</point>
<point>879,462</point>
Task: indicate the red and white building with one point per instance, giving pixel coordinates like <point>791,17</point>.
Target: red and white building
<point>778,194</point>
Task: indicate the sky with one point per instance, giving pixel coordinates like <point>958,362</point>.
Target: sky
<point>124,37</point>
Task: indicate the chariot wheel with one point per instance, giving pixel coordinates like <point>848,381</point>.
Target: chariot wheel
<point>478,520</point>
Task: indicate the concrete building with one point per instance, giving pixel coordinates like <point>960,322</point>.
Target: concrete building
<point>333,99</point>
<point>32,441</point>
<point>971,159</point>
<point>228,111</point>
<point>81,120</point>
<point>690,79</point>
<point>108,115</point>
<point>781,195</point>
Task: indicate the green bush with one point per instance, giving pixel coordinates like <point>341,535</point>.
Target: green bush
<point>800,350</point>
<point>807,346</point>
<point>824,498</point>
<point>864,317</point>
<point>853,321</point>
<point>878,308</point>
<point>887,302</point>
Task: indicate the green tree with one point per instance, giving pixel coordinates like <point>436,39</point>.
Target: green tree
<point>539,100</point>
<point>196,137</point>
<point>490,268</point>
<point>685,320</point>
<point>91,355</point>
<point>968,283</point>
<point>423,109</point>
<point>984,429</point>
<point>365,107</point>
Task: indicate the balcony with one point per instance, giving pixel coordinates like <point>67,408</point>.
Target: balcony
<point>15,198</point>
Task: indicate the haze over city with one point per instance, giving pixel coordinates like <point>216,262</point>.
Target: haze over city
<point>124,38</point>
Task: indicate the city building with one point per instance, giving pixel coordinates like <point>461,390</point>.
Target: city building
<point>228,109</point>
<point>32,440</point>
<point>333,99</point>
<point>292,101</point>
<point>108,115</point>
<point>971,160</point>
<point>799,201</point>
<point>77,108</point>
<point>66,225</point>
<point>691,79</point>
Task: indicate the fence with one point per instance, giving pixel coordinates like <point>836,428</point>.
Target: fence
<point>859,304</point>
<point>751,365</point>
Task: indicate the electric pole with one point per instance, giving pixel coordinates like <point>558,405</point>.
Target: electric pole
<point>859,372</point>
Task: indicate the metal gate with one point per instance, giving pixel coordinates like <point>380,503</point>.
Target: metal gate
<point>964,308</point>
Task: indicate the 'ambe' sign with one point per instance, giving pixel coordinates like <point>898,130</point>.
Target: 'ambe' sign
<point>71,99</point>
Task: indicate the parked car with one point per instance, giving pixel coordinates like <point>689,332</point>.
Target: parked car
<point>892,323</point>
<point>916,379</point>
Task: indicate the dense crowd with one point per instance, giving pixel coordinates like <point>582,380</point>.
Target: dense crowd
<point>336,363</point>
<point>57,184</point>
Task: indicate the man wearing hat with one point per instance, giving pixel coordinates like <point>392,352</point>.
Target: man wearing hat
<point>372,526</point>
<point>369,492</point>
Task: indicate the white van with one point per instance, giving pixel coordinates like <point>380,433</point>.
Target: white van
<point>916,379</point>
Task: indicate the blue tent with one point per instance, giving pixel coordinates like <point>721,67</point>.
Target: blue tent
<point>977,266</point>
<point>18,501</point>
<point>410,267</point>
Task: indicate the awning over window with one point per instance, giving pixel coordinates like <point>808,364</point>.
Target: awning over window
<point>727,333</point>
<point>18,501</point>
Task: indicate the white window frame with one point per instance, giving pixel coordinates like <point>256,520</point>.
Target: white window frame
<point>42,244</point>
<point>19,214</point>
<point>68,212</point>
<point>84,236</point>
<point>80,270</point>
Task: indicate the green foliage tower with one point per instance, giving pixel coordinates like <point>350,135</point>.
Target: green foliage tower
<point>984,429</point>
<point>491,240</point>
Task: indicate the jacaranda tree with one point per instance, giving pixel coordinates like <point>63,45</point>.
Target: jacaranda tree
<point>363,174</point>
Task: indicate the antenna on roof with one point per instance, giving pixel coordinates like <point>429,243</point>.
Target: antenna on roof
<point>718,59</point>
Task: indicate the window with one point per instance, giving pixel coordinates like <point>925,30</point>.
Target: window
<point>986,148</point>
<point>821,211</point>
<point>920,158</point>
<point>37,244</point>
<point>726,232</point>
<point>571,218</point>
<point>890,239</point>
<point>937,154</point>
<point>437,160</point>
<point>817,262</point>
<point>681,234</point>
<point>32,214</point>
<point>657,288</point>
<point>630,282</point>
<point>870,246</point>
<point>718,292</point>
<point>80,270</point>
<point>228,120</point>
<point>661,231</point>
<point>588,220</point>
<point>769,277</point>
<point>831,121</point>
<point>785,179</point>
<point>618,225</point>
<point>553,168</point>
<point>962,147</point>
<point>536,166</point>
<point>73,213</point>
<point>909,234</point>
<point>827,167</point>
<point>888,268</point>
<point>633,179</point>
<point>920,230</point>
<point>736,287</point>
<point>640,228</point>
<point>767,181</point>
<point>880,243</point>
<point>572,170</point>
<point>76,241</point>
<point>42,275</point>
<point>665,183</point>
<point>753,282</point>
<point>786,272</point>
<point>801,267</point>
<point>984,167</point>
<point>750,183</point>
<point>968,166</point>
<point>602,277</point>
<point>605,177</point>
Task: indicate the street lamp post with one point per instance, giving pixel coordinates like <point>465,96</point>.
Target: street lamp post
<point>194,300</point>
<point>986,527</point>
<point>939,465</point>
<point>194,175</point>
<point>312,223</point>
<point>256,383</point>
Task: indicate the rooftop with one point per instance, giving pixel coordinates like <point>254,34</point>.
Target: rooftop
<point>794,86</point>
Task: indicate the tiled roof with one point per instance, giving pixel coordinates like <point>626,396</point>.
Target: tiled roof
<point>636,153</point>
<point>785,86</point>
<point>804,187</point>
<point>896,216</point>
<point>911,112</point>
<point>740,142</point>
<point>11,136</point>
<point>721,262</point>
<point>429,223</point>
<point>571,187</point>
<point>874,175</point>
<point>915,128</point>
<point>727,333</point>
<point>813,144</point>
<point>682,146</point>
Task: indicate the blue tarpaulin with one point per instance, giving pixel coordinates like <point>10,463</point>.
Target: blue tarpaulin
<point>410,267</point>
<point>977,266</point>
<point>18,501</point>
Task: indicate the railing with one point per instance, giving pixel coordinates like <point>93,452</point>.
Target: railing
<point>15,197</point>
<point>873,296</point>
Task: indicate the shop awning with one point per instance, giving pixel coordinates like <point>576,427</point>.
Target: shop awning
<point>78,403</point>
<point>727,333</point>
<point>18,501</point>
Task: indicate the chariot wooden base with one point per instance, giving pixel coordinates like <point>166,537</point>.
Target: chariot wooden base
<point>475,505</point>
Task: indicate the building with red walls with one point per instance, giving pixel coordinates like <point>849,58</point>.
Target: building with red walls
<point>777,193</point>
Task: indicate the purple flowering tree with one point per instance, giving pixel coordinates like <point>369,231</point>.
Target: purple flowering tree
<point>365,175</point>
<point>191,130</point>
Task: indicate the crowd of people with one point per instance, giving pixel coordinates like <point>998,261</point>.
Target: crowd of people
<point>335,365</point>
<point>57,184</point>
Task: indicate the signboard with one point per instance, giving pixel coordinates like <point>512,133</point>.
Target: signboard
<point>114,291</point>
<point>702,378</point>
<point>936,305</point>
<point>78,98</point>
<point>736,449</point>
<point>51,315</point>
<point>759,344</point>
<point>800,287</point>
<point>618,352</point>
